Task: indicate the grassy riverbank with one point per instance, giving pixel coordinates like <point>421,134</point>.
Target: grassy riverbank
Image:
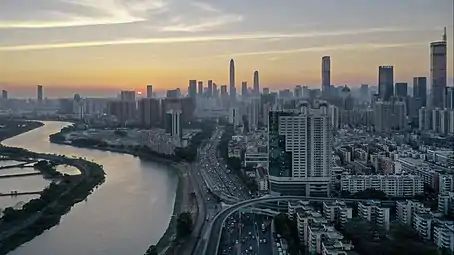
<point>36,216</point>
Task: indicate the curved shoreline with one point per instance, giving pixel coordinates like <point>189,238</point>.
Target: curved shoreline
<point>165,242</point>
<point>55,201</point>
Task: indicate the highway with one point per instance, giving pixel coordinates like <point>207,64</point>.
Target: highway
<point>215,230</point>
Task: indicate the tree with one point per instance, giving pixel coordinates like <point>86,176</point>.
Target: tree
<point>184,225</point>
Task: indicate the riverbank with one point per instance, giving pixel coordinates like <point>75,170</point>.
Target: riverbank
<point>167,242</point>
<point>20,226</point>
<point>11,128</point>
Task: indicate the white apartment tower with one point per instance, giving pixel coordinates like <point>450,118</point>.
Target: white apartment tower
<point>300,146</point>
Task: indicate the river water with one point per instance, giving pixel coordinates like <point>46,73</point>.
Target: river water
<point>130,211</point>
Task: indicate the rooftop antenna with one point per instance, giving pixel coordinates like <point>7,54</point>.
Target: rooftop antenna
<point>444,35</point>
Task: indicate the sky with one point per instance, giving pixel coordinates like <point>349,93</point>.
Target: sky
<point>98,47</point>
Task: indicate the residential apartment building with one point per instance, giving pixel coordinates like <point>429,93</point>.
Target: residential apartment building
<point>337,213</point>
<point>374,212</point>
<point>392,185</point>
<point>406,211</point>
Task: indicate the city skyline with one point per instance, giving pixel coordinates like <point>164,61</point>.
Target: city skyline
<point>101,47</point>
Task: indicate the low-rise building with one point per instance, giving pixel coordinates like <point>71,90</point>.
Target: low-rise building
<point>375,213</point>
<point>337,213</point>
<point>392,185</point>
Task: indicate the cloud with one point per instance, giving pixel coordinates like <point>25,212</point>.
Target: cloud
<point>340,47</point>
<point>108,12</point>
<point>192,39</point>
<point>204,25</point>
<point>205,7</point>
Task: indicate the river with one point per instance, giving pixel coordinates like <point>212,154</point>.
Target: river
<point>130,211</point>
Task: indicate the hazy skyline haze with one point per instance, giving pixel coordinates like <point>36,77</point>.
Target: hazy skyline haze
<point>97,47</point>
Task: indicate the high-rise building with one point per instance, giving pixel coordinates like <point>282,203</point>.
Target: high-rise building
<point>420,91</point>
<point>298,91</point>
<point>4,95</point>
<point>300,151</point>
<point>149,91</point>
<point>364,92</point>
<point>215,91</point>
<point>438,64</point>
<point>385,82</point>
<point>401,89</point>
<point>173,93</point>
<point>210,88</point>
<point>266,91</point>
<point>383,116</point>
<point>192,89</point>
<point>232,81</point>
<point>149,112</point>
<point>40,93</point>
<point>425,119</point>
<point>326,75</point>
<point>173,123</point>
<point>200,88</point>
<point>224,91</point>
<point>128,95</point>
<point>244,89</point>
<point>450,97</point>
<point>256,84</point>
<point>123,110</point>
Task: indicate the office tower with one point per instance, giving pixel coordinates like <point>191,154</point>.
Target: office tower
<point>128,95</point>
<point>438,64</point>
<point>173,93</point>
<point>326,75</point>
<point>210,88</point>
<point>266,91</point>
<point>215,90</point>
<point>400,118</point>
<point>298,91</point>
<point>173,123</point>
<point>450,97</point>
<point>425,119</point>
<point>244,89</point>
<point>420,91</point>
<point>40,93</point>
<point>436,119</point>
<point>149,91</point>
<point>232,81</point>
<point>123,110</point>
<point>224,90</point>
<point>149,112</point>
<point>383,116</point>
<point>300,151</point>
<point>334,116</point>
<point>364,92</point>
<point>256,84</point>
<point>401,89</point>
<point>200,88</point>
<point>4,95</point>
<point>385,82</point>
<point>253,111</point>
<point>192,89</point>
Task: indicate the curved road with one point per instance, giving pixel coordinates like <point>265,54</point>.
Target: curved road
<point>213,235</point>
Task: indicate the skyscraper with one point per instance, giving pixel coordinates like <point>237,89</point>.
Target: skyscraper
<point>326,75</point>
<point>200,88</point>
<point>39,93</point>
<point>256,83</point>
<point>298,91</point>
<point>300,151</point>
<point>128,95</point>
<point>149,91</point>
<point>244,89</point>
<point>420,91</point>
<point>450,97</point>
<point>4,95</point>
<point>364,92</point>
<point>192,89</point>
<point>232,81</point>
<point>210,88</point>
<point>401,89</point>
<point>438,64</point>
<point>385,82</point>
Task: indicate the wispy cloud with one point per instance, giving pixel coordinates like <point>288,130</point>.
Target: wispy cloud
<point>203,25</point>
<point>192,39</point>
<point>205,7</point>
<point>108,12</point>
